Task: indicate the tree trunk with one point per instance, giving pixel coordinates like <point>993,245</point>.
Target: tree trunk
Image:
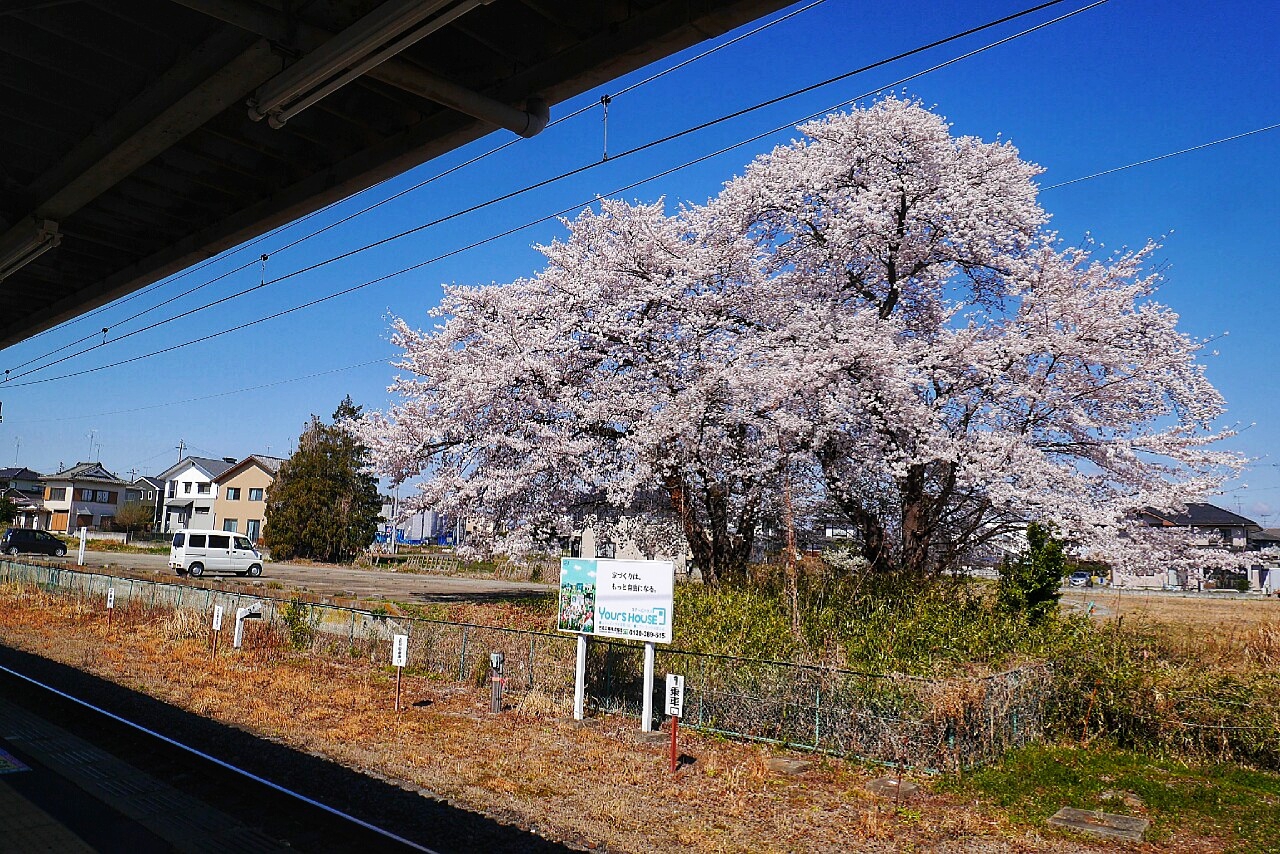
<point>720,554</point>
<point>917,522</point>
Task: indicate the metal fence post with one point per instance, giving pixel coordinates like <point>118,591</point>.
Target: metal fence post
<point>532,638</point>
<point>702,689</point>
<point>351,639</point>
<point>462,658</point>
<point>817,712</point>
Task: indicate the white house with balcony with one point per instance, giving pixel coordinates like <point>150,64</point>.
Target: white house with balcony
<point>191,488</point>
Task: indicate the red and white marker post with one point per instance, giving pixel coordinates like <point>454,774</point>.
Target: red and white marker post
<point>111,604</point>
<point>675,709</point>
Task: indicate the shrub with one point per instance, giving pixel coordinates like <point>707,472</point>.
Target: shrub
<point>300,622</point>
<point>1029,582</point>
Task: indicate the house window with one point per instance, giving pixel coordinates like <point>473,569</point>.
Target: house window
<point>186,487</point>
<point>233,494</point>
<point>255,494</point>
<point>201,511</point>
<point>230,525</point>
<point>202,488</point>
<point>103,497</point>
<point>173,488</point>
<point>59,494</point>
<point>255,529</point>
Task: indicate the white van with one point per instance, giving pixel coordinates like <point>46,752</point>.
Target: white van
<point>196,552</point>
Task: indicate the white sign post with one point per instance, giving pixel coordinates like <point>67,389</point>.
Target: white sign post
<point>251,612</point>
<point>84,533</point>
<point>399,658</point>
<point>621,599</point>
<point>111,604</point>
<point>675,708</point>
<point>217,630</point>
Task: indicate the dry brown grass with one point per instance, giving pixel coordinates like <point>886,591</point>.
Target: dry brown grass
<point>581,784</point>
<point>1237,633</point>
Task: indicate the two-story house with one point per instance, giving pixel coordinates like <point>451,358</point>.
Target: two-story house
<point>241,503</point>
<point>22,486</point>
<point>1212,527</point>
<point>190,491</point>
<point>83,496</point>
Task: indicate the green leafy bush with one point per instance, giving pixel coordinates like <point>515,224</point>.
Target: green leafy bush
<point>300,622</point>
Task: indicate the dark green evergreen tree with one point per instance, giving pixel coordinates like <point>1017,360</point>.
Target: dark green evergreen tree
<point>323,505</point>
<point>8,510</point>
<point>1029,582</point>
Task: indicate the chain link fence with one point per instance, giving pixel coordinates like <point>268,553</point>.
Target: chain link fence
<point>889,718</point>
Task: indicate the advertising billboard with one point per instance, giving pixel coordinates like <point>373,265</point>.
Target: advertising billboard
<point>629,599</point>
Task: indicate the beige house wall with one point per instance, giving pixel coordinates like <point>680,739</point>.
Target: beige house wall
<point>243,511</point>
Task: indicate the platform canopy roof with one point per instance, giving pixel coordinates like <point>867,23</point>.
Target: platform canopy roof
<point>139,137</point>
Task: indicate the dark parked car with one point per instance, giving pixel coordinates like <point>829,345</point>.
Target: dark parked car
<point>19,540</point>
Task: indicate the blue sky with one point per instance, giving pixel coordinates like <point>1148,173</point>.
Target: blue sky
<point>1129,80</point>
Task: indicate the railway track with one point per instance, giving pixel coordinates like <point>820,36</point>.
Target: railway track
<point>269,795</point>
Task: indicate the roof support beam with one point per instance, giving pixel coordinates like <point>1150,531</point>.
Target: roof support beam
<point>271,24</point>
<point>164,113</point>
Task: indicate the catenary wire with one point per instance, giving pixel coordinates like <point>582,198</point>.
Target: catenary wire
<point>168,280</point>
<point>592,165</point>
<point>508,232</point>
<point>214,396</point>
<point>418,186</point>
<point>1160,157</point>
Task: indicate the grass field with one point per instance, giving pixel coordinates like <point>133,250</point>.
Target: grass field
<point>597,786</point>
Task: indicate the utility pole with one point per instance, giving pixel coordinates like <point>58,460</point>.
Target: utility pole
<point>182,446</point>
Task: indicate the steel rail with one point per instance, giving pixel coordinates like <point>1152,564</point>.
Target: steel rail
<point>221,763</point>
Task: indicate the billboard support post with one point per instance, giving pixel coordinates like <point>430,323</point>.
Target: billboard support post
<point>580,680</point>
<point>646,713</point>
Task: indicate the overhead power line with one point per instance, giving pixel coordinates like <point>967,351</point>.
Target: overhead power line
<point>587,167</point>
<point>530,223</point>
<point>73,416</point>
<point>1162,157</point>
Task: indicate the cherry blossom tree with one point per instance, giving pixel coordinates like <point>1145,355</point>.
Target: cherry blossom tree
<point>875,314</point>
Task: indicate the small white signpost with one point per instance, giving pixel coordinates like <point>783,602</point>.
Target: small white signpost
<point>249,612</point>
<point>619,599</point>
<point>675,708</point>
<point>399,658</point>
<point>84,533</point>
<point>217,630</point>
<point>111,604</point>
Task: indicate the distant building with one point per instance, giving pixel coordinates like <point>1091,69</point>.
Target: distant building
<point>1215,528</point>
<point>22,486</point>
<point>83,496</point>
<point>190,492</point>
<point>241,502</point>
<point>150,491</point>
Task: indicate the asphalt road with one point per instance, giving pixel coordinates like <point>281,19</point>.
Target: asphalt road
<point>344,581</point>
